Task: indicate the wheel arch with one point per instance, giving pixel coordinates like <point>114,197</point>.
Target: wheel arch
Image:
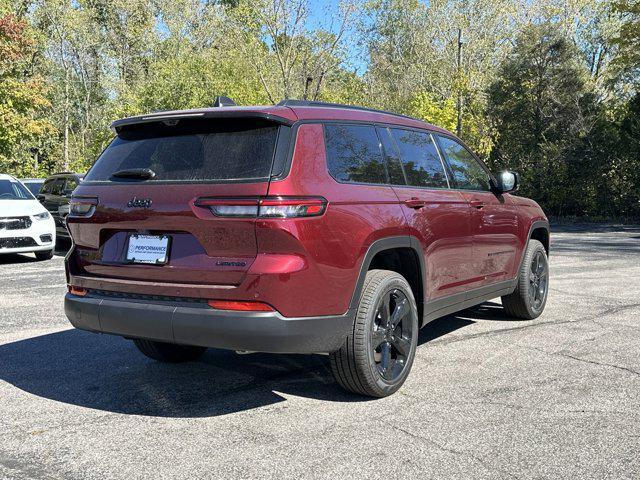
<point>540,233</point>
<point>402,254</point>
<point>538,230</point>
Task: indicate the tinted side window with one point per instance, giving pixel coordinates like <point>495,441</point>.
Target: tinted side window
<point>46,186</point>
<point>394,166</point>
<point>353,154</point>
<point>467,172</point>
<point>71,184</point>
<point>420,159</point>
<point>55,186</point>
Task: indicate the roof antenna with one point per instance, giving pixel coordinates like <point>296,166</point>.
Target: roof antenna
<point>222,101</point>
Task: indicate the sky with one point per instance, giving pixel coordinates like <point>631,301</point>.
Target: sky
<point>319,18</point>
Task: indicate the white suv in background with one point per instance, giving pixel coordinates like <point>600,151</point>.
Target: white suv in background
<point>25,225</point>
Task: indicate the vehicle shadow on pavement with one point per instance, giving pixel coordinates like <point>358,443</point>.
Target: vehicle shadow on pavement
<point>491,311</point>
<point>108,373</point>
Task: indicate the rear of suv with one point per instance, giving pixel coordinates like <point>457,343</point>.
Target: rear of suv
<point>298,228</point>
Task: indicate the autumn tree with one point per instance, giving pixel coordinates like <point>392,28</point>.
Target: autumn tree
<point>628,40</point>
<point>24,129</point>
<point>291,59</point>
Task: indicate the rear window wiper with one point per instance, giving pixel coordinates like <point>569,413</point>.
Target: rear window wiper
<point>141,173</point>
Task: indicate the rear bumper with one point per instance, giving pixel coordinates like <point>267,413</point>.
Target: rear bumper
<point>200,325</point>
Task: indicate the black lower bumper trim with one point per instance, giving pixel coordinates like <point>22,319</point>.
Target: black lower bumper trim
<point>203,326</point>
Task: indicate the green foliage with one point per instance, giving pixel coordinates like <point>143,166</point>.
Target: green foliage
<point>628,40</point>
<point>441,113</point>
<point>548,88</point>
<point>23,128</point>
<point>541,106</point>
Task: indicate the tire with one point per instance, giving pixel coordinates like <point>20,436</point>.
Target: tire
<point>44,255</point>
<point>361,367</point>
<point>168,352</point>
<point>530,296</point>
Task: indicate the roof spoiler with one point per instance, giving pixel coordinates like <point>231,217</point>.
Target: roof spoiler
<point>172,118</point>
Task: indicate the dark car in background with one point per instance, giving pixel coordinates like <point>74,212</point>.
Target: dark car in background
<point>33,184</point>
<point>55,195</point>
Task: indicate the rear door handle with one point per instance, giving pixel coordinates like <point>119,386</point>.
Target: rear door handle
<point>477,204</point>
<point>415,203</point>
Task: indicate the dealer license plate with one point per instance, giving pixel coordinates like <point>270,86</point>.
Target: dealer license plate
<point>153,249</point>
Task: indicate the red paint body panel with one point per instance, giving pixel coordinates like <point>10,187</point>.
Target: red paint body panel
<point>495,229</point>
<point>300,266</point>
<point>443,228</point>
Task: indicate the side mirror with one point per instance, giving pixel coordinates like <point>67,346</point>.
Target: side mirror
<point>507,181</point>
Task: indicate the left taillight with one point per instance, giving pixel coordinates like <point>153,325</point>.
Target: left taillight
<point>78,291</point>
<point>82,206</point>
<point>265,207</point>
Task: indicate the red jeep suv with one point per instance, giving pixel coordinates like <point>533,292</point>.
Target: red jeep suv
<point>304,227</point>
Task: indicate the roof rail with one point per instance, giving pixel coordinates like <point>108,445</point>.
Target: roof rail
<point>64,173</point>
<point>309,103</point>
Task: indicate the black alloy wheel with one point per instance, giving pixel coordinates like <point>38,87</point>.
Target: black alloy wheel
<point>538,280</point>
<point>378,353</point>
<point>392,334</point>
<point>532,285</point>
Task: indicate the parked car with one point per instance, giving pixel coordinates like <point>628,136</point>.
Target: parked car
<point>33,184</point>
<point>25,226</point>
<point>55,194</point>
<point>298,228</point>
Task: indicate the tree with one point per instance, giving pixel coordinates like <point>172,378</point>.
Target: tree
<point>291,59</point>
<point>543,110</point>
<point>628,41</point>
<point>24,128</point>
<point>446,50</point>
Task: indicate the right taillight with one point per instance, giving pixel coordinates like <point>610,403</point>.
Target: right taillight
<point>265,207</point>
<point>287,207</point>
<point>241,306</point>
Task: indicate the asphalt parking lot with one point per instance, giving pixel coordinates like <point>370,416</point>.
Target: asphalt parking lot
<point>488,397</point>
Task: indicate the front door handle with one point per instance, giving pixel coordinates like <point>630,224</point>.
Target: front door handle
<point>477,204</point>
<point>415,203</point>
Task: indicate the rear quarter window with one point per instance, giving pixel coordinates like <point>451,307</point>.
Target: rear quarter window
<point>353,154</point>
<point>192,150</point>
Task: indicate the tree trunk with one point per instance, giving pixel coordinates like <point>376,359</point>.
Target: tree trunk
<point>65,151</point>
<point>459,97</point>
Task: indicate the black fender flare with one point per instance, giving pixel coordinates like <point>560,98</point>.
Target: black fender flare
<point>534,226</point>
<point>387,243</point>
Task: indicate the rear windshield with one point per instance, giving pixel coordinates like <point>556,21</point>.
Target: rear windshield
<point>192,150</point>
